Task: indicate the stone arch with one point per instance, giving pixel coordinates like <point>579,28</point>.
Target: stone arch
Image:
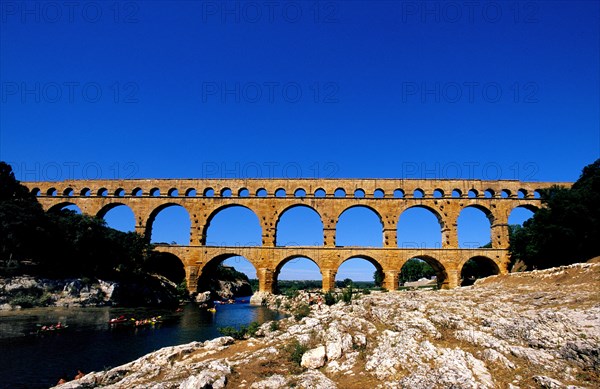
<point>166,264</point>
<point>207,270</point>
<point>368,258</point>
<point>110,206</point>
<point>224,207</point>
<point>361,206</point>
<point>436,214</point>
<point>481,267</point>
<point>530,207</point>
<point>521,213</point>
<point>288,259</point>
<point>296,206</point>
<point>441,273</point>
<point>156,211</point>
<point>62,205</point>
<point>489,216</point>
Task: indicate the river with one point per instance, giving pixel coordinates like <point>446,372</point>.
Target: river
<point>30,360</point>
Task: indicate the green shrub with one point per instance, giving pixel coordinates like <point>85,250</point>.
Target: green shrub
<point>366,291</point>
<point>301,311</point>
<point>242,333</point>
<point>182,291</point>
<point>347,294</point>
<point>233,332</point>
<point>252,328</point>
<point>295,349</point>
<point>329,298</point>
<point>274,326</point>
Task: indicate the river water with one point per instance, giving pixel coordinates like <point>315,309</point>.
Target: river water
<point>31,360</point>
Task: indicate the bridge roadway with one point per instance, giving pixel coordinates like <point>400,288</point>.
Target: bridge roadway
<point>269,199</point>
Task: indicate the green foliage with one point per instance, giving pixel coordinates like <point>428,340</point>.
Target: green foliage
<point>345,283</point>
<point>292,293</point>
<point>566,229</point>
<point>242,333</point>
<point>415,269</point>
<point>252,328</point>
<point>61,243</point>
<point>274,326</point>
<point>301,312</point>
<point>347,294</point>
<point>30,297</point>
<point>295,350</point>
<point>378,278</point>
<point>329,298</point>
<point>284,285</point>
<point>22,221</point>
<point>182,291</point>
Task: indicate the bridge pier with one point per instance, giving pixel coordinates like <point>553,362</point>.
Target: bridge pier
<point>328,279</point>
<point>452,280</point>
<point>329,237</point>
<point>391,279</point>
<point>191,278</point>
<point>266,280</point>
<point>390,237</point>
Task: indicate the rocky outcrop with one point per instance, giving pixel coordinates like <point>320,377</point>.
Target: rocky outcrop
<point>514,331</point>
<point>26,291</point>
<point>224,290</point>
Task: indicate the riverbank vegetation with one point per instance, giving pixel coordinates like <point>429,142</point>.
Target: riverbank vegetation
<point>566,229</point>
<point>61,244</point>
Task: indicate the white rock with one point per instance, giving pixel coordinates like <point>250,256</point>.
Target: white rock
<point>276,381</point>
<point>314,358</point>
<point>213,376</point>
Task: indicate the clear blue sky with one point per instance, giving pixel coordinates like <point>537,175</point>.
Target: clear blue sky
<point>329,89</point>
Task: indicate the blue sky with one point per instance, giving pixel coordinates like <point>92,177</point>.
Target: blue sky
<point>406,89</point>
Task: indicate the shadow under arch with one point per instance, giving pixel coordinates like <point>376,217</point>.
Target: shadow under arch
<point>63,206</point>
<point>215,212</point>
<point>477,267</point>
<point>281,215</point>
<point>206,277</point>
<point>156,211</point>
<point>441,275</point>
<point>287,260</point>
<point>167,265</point>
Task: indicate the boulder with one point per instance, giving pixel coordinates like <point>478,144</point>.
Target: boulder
<point>314,358</point>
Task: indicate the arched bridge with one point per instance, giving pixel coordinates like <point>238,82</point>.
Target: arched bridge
<point>270,198</point>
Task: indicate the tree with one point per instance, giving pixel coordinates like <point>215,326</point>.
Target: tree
<point>21,219</point>
<point>566,229</point>
<point>378,278</point>
<point>415,269</point>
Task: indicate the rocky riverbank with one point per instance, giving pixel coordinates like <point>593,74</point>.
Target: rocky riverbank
<point>26,291</point>
<point>535,329</point>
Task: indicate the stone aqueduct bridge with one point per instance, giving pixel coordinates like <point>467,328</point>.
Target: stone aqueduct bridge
<point>270,198</point>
